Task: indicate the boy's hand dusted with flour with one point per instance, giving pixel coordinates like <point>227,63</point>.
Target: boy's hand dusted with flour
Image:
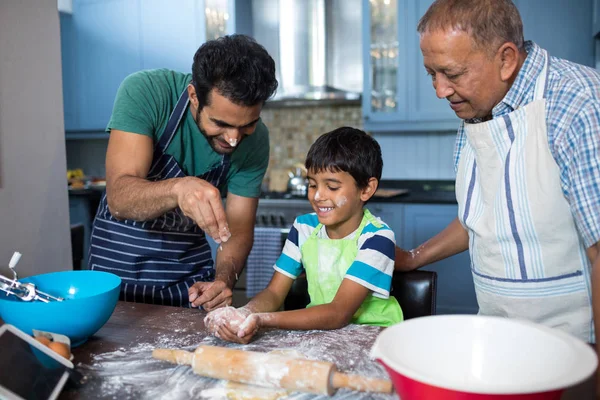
<point>346,253</point>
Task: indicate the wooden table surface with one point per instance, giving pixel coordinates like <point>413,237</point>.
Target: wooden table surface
<point>117,363</point>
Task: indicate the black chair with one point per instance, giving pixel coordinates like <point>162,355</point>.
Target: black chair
<point>77,235</point>
<point>414,290</point>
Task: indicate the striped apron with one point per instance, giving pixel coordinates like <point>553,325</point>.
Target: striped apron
<point>157,260</point>
<point>527,258</point>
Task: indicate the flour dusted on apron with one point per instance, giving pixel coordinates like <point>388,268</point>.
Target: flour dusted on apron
<point>157,260</point>
<point>528,260</point>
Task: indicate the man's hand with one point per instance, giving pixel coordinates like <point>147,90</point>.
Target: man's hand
<point>210,295</point>
<point>201,201</point>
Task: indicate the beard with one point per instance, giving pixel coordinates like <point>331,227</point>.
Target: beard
<point>217,143</point>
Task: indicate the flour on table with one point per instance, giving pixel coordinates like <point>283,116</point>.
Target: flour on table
<point>241,391</point>
<point>133,373</point>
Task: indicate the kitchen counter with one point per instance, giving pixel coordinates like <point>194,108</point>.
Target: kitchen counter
<point>423,192</point>
<point>88,191</point>
<point>117,362</point>
<point>420,192</point>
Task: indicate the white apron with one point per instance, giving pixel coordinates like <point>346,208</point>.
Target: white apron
<point>527,258</point>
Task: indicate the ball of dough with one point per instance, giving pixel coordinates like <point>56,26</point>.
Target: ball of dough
<point>221,316</point>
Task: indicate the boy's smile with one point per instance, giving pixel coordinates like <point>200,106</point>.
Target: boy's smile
<point>337,201</point>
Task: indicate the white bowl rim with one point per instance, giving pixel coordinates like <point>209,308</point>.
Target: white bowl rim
<point>586,355</point>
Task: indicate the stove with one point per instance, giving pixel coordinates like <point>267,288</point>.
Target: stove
<point>280,210</point>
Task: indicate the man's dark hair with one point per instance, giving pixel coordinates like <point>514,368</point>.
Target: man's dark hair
<point>236,66</point>
<point>346,150</point>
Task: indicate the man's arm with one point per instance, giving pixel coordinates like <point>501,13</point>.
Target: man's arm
<point>452,240</point>
<point>231,256</point>
<point>131,196</point>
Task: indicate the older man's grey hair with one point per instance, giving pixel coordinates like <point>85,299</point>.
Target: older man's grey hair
<point>490,23</point>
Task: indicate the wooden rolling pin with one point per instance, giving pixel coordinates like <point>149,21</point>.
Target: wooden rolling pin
<point>270,370</point>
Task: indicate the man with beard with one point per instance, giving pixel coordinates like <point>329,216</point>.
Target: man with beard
<point>177,143</point>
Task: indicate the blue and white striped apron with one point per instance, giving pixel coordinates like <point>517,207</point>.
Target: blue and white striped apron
<point>157,260</point>
<point>527,258</point>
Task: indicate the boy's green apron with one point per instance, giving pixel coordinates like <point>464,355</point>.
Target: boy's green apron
<point>326,262</point>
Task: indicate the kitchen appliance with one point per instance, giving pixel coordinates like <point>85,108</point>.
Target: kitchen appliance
<point>470,357</point>
<point>276,210</point>
<point>270,370</point>
<point>298,184</point>
<point>280,210</point>
<point>30,370</point>
<point>316,47</point>
<point>20,290</point>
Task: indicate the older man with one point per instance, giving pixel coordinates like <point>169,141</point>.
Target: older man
<point>527,162</point>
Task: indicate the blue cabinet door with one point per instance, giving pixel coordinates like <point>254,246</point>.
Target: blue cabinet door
<point>171,34</point>
<point>563,27</point>
<point>456,293</point>
<point>108,49</point>
<point>106,40</point>
<point>390,213</point>
<point>68,59</point>
<point>410,104</point>
<point>596,18</point>
<point>424,105</point>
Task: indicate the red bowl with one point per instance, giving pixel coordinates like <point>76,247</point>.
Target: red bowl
<point>468,357</point>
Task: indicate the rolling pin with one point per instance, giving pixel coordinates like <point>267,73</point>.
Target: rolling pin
<point>270,370</point>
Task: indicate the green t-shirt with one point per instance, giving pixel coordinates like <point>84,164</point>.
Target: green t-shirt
<point>143,105</point>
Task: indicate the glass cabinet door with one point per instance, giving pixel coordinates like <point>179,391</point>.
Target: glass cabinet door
<point>217,16</point>
<point>383,66</point>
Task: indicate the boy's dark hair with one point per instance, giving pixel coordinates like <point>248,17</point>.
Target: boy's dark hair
<point>239,68</point>
<point>347,150</point>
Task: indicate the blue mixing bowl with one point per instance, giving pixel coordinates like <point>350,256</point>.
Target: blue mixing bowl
<point>90,298</point>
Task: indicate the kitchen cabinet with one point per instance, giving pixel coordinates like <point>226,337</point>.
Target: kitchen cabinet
<point>107,49</point>
<point>67,44</point>
<point>456,292</point>
<point>80,213</point>
<point>413,224</point>
<point>562,27</point>
<point>390,213</point>
<point>104,41</point>
<point>398,94</point>
<point>596,18</point>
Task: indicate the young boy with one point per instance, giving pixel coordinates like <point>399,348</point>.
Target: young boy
<point>346,253</point>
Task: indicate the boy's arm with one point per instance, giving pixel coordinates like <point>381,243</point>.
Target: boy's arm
<point>334,315</point>
<point>273,296</point>
<point>268,300</point>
